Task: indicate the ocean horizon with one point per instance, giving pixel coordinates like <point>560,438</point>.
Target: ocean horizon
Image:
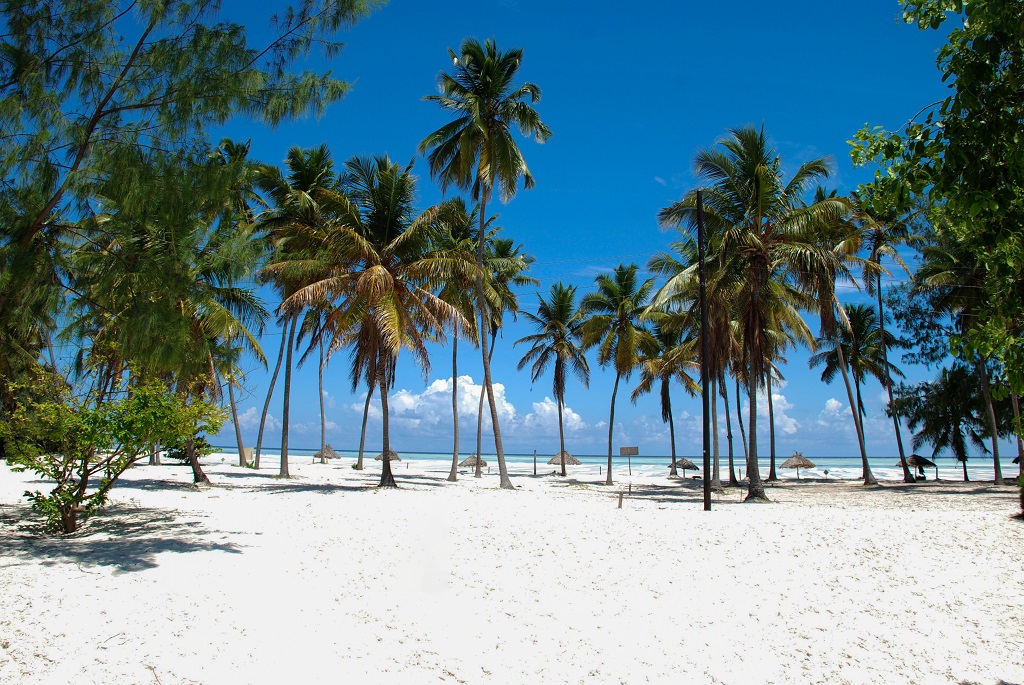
<point>846,467</point>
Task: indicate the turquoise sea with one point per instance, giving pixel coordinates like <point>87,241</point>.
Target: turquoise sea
<point>884,468</point>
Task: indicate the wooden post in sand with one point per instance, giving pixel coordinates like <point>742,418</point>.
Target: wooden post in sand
<point>535,462</point>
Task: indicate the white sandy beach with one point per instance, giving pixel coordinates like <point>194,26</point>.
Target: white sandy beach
<point>321,578</point>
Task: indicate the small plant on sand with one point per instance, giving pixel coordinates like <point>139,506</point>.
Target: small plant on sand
<point>84,446</point>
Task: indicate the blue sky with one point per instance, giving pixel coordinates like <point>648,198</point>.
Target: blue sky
<point>630,97</point>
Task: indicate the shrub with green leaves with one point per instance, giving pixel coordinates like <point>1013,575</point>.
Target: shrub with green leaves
<point>84,448</point>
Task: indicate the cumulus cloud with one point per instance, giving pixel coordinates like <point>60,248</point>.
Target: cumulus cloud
<point>783,422</point>
<point>543,420</point>
<point>833,412</point>
<point>250,419</point>
<point>313,427</point>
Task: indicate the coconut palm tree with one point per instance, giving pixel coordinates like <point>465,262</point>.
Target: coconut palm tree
<point>613,326</point>
<point>476,152</point>
<point>949,411</point>
<point>958,276</point>
<point>860,346</point>
<point>560,325</point>
<point>758,225</point>
<point>505,265</point>
<point>884,232</point>
<point>675,358</point>
<point>303,206</point>
<point>380,274</point>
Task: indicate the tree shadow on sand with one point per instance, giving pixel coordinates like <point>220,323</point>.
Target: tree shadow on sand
<point>123,537</point>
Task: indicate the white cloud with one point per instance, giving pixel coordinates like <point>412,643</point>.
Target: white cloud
<point>780,405</point>
<point>660,181</point>
<point>250,419</point>
<point>833,413</point>
<point>543,420</point>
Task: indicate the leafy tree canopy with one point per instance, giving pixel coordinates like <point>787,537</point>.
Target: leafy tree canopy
<point>967,155</point>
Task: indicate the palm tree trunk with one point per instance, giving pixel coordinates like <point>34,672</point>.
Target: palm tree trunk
<point>671,434</point>
<point>505,482</point>
<point>387,478</point>
<point>964,464</point>
<point>362,433</point>
<point>286,411</point>
<point>728,432</point>
<point>323,415</point>
<point>270,393</point>
<point>611,428</point>
<point>772,475</point>
<point>198,476</point>
<point>234,420</point>
<point>453,475</point>
<point>479,472</point>
<point>755,488</point>
<point>1020,445</point>
<point>986,391</point>
<point>739,420</point>
<point>908,477</point>
<point>716,478</point>
<point>869,478</point>
<point>561,436</point>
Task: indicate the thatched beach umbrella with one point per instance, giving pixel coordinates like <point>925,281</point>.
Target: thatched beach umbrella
<point>685,464</point>
<point>392,456</point>
<point>471,461</point>
<point>798,461</point>
<point>569,459</point>
<point>325,454</point>
<point>919,462</point>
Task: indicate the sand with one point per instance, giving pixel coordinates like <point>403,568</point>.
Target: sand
<point>321,578</point>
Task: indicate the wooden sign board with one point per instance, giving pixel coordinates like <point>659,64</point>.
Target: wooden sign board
<point>629,451</point>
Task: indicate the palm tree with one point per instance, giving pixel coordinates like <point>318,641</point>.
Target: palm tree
<point>613,326</point>
<point>304,204</point>
<point>860,346</point>
<point>673,359</point>
<point>477,151</point>
<point>454,231</point>
<point>560,325</point>
<point>380,273</point>
<point>839,238</point>
<point>949,412</point>
<point>758,226</point>
<point>883,233</point>
<point>958,275</point>
<point>505,265</point>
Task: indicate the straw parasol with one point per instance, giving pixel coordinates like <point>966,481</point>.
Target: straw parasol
<point>392,456</point>
<point>919,462</point>
<point>685,464</point>
<point>325,454</point>
<point>471,461</point>
<point>798,461</point>
<point>569,459</point>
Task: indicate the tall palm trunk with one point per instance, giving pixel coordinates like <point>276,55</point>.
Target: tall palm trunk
<point>362,433</point>
<point>869,478</point>
<point>716,478</point>
<point>286,411</point>
<point>478,473</point>
<point>964,464</point>
<point>453,475</point>
<point>323,415</point>
<point>671,430</point>
<point>739,420</point>
<point>772,475</point>
<point>755,488</point>
<point>561,435</point>
<point>1020,445</point>
<point>611,427</point>
<point>908,476</point>
<point>234,420</point>
<point>505,482</point>
<point>986,392</point>
<point>387,478</point>
<point>728,432</point>
<point>270,394</point>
